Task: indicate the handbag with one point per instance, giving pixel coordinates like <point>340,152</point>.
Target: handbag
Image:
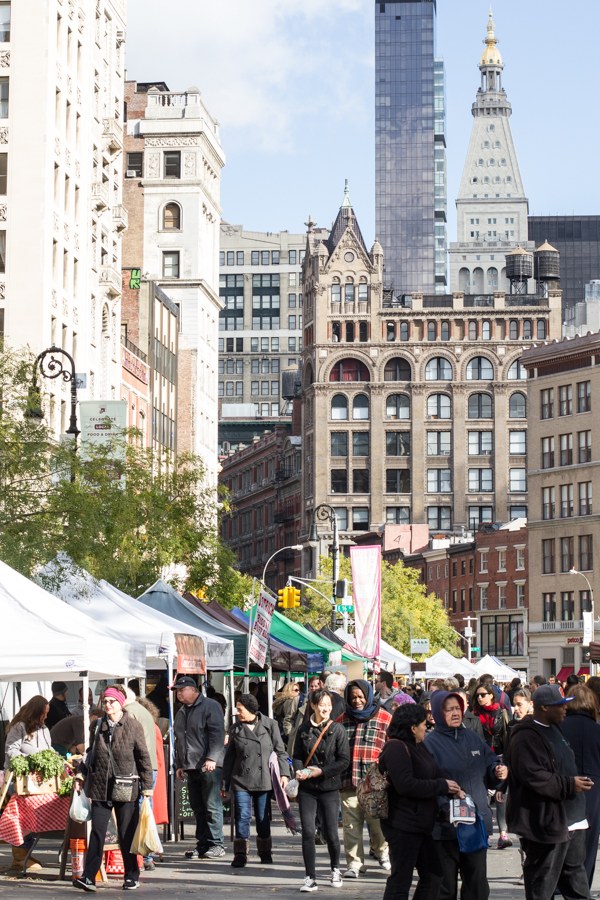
<point>372,791</point>
<point>124,788</point>
<point>472,838</point>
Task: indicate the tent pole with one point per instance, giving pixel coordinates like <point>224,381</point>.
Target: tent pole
<point>270,689</point>
<point>85,689</point>
<point>231,694</point>
<point>250,627</point>
<point>171,748</point>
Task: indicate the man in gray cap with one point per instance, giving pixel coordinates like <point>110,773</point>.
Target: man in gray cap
<point>545,804</point>
<point>199,748</point>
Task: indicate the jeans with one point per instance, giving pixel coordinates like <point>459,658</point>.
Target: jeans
<point>472,868</point>
<point>204,790</point>
<point>406,852</point>
<point>551,866</point>
<point>327,804</point>
<point>245,801</point>
<point>127,815</point>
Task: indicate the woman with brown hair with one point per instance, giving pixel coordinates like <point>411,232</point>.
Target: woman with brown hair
<point>582,731</point>
<point>27,734</point>
<point>285,704</point>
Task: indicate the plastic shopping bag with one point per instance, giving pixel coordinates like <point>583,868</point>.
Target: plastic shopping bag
<point>81,807</point>
<point>146,839</point>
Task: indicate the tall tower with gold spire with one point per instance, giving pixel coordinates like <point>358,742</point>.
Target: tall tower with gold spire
<point>491,205</point>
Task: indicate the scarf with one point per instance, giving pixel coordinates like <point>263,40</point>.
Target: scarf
<point>281,797</point>
<point>487,717</point>
<point>370,707</point>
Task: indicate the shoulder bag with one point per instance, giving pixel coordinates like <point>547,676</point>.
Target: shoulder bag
<point>124,788</point>
<point>372,791</point>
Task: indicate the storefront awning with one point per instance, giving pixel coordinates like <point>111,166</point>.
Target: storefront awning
<point>584,670</point>
<point>564,673</point>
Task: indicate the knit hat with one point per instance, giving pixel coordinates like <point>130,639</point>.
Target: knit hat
<point>402,699</point>
<point>249,702</point>
<point>116,693</point>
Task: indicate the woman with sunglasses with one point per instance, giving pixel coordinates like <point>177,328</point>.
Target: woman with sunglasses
<point>494,721</point>
<point>118,747</point>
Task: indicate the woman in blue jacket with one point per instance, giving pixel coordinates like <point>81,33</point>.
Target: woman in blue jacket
<point>468,760</point>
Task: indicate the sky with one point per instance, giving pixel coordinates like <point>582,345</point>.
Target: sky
<point>291,83</point>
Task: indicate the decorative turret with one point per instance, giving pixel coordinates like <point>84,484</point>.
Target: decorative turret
<point>491,93</point>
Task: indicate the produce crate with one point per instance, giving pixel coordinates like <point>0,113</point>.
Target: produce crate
<point>30,785</point>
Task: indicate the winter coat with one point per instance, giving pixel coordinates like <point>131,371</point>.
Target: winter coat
<point>284,711</point>
<point>332,755</point>
<point>129,752</point>
<point>199,734</point>
<point>19,743</point>
<point>416,781</point>
<point>246,764</point>
<point>465,758</point>
<point>539,783</point>
<point>366,740</point>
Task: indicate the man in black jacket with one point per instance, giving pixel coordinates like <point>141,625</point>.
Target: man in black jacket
<point>545,804</point>
<point>199,747</point>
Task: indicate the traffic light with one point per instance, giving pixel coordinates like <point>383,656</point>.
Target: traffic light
<point>282,595</point>
<point>293,597</point>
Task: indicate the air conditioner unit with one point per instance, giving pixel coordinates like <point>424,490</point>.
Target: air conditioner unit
<point>130,173</point>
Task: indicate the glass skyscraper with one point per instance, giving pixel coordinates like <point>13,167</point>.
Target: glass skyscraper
<point>410,157</point>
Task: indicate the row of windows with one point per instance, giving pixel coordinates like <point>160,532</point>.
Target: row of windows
<point>261,345</point>
<point>567,493</point>
<point>565,400</point>
<point>257,388</point>
<point>260,257</point>
<point>565,449</point>
<point>350,292</point>
<point>437,369</point>
<point>502,557</point>
<point>567,605</point>
<point>439,481</point>
<point>439,518</point>
<point>566,554</point>
<point>480,443</point>
<point>476,330</point>
<point>439,406</point>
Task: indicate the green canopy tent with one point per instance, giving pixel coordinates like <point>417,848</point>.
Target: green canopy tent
<point>296,635</point>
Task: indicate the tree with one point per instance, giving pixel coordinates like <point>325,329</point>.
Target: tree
<point>113,509</point>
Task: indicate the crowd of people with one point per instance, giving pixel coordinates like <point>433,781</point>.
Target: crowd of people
<point>531,753</point>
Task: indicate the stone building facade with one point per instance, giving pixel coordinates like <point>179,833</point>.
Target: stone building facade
<point>564,474</point>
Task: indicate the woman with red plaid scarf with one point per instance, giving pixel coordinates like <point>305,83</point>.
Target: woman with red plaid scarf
<point>366,724</point>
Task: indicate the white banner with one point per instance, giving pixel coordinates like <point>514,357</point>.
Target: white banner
<point>366,589</point>
<point>102,421</point>
<point>261,628</point>
<point>587,627</point>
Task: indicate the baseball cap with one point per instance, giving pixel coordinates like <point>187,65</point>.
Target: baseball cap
<point>184,681</point>
<point>550,695</point>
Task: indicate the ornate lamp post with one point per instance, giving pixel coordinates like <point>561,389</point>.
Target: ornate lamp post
<point>50,365</point>
<point>323,513</point>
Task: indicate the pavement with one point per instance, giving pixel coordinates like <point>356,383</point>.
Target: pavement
<point>181,878</point>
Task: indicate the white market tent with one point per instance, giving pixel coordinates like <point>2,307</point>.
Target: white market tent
<point>442,664</point>
<point>496,668</point>
<point>390,658</point>
<point>45,640</point>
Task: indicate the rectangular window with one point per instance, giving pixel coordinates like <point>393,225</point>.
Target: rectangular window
<point>517,443</point>
<point>360,481</point>
<point>483,560</point>
<point>172,163</point>
<point>239,258</point>
<point>292,257</point>
<point>275,257</point>
<point>360,443</point>
<point>170,264</point>
<point>341,515</point>
<point>439,517</point>
<point>566,449</point>
<point>548,503</point>
<point>254,388</point>
<point>548,561</point>
<point>483,596</point>
<point>584,444</point>
<point>438,443</point>
<point>254,257</point>
<point>481,443</point>
<point>519,558</point>
<point>502,560</point>
<point>339,443</point>
<point>135,165</point>
<point>439,481</point>
<point>397,481</point>
<point>481,480</point>
<point>3,98</point>
<point>230,257</point>
<point>585,602</point>
<point>584,396</point>
<point>549,601</point>
<point>520,591</point>
<point>584,491</point>
<point>567,554</point>
<point>5,22</point>
<point>547,453</point>
<point>292,323</point>
<point>501,596</point>
<point>397,515</point>
<point>3,172</point>
<point>478,515</point>
<point>586,555</point>
<point>547,403</point>
<point>565,400</point>
<point>360,518</point>
<point>567,606</point>
<point>517,480</point>
<point>339,481</point>
<point>265,257</point>
<point>566,501</point>
<point>397,443</point>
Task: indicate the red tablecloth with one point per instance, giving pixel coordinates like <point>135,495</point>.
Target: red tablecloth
<point>23,815</point>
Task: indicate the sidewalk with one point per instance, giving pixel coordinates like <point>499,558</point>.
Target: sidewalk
<point>180,877</point>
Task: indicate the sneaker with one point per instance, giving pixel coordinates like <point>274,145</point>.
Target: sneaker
<point>194,854</point>
<point>84,884</point>
<point>336,878</point>
<point>149,865</point>
<point>351,873</point>
<point>309,885</point>
<point>504,841</point>
<point>215,852</point>
<point>384,862</point>
<point>130,884</point>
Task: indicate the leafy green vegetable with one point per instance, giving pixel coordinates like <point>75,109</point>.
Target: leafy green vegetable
<point>19,765</point>
<point>66,787</point>
<point>47,764</point>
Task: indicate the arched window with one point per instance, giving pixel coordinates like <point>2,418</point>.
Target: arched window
<point>477,280</point>
<point>349,370</point>
<point>541,329</point>
<point>397,406</point>
<point>349,290</point>
<point>432,331</point>
<point>336,291</point>
<point>350,332</point>
<point>363,290</point>
<point>473,330</point>
<point>492,276</point>
<point>439,406</point>
<point>363,332</point>
<point>527,329</point>
<point>397,369</point>
<point>513,330</point>
<point>445,330</point>
<point>517,406</point>
<point>517,372</point>
<point>404,331</point>
<point>339,407</point>
<point>438,369</point>
<point>172,217</point>
<point>360,407</point>
<point>479,406</point>
<point>464,280</point>
<point>486,330</point>
<point>479,369</point>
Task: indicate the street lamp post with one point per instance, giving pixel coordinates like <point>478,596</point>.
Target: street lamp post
<point>50,365</point>
<point>323,513</point>
<point>575,571</point>
<point>273,555</point>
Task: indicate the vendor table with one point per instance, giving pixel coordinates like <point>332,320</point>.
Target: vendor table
<point>33,814</point>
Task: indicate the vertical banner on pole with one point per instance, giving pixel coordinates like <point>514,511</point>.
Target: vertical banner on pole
<point>366,591</point>
<point>261,628</point>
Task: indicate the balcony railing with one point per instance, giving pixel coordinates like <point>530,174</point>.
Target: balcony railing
<point>110,279</point>
<point>100,195</point>
<point>112,132</point>
<point>120,217</point>
<point>559,625</point>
